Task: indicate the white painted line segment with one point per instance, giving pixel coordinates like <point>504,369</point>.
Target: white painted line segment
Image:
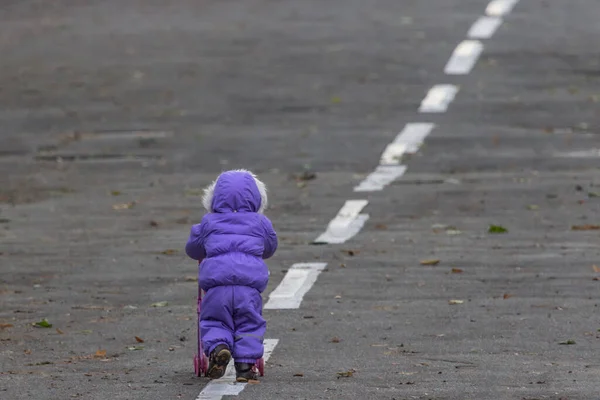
<point>464,57</point>
<point>380,178</point>
<point>227,386</point>
<point>347,223</point>
<point>484,27</point>
<point>498,8</point>
<point>438,98</point>
<point>413,135</point>
<point>295,284</point>
<point>393,154</point>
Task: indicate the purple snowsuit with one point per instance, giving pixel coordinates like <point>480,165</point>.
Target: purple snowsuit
<point>232,240</point>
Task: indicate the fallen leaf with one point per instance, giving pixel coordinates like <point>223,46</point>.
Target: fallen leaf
<point>585,227</point>
<point>169,252</point>
<point>139,339</point>
<point>100,354</point>
<point>4,326</point>
<point>59,331</point>
<point>115,193</point>
<point>27,351</point>
<point>153,223</point>
<point>568,342</point>
<point>335,339</point>
<point>497,229</point>
<point>596,268</point>
<point>299,374</point>
<point>336,100</point>
<point>305,176</point>
<point>43,324</point>
<point>191,278</point>
<point>346,374</point>
<point>532,207</point>
<point>457,271</point>
<point>430,262</point>
<point>381,226</point>
<point>351,253</point>
<point>124,206</point>
<point>507,296</point>
<point>160,304</point>
<point>452,302</point>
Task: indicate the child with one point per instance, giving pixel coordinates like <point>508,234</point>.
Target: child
<point>231,240</point>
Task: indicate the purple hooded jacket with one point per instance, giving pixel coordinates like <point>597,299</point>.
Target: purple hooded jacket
<point>234,237</point>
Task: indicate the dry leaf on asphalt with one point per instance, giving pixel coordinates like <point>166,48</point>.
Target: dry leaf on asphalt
<point>123,206</point>
<point>169,252</point>
<point>596,268</point>
<point>457,271</point>
<point>346,374</point>
<point>452,302</point>
<point>100,354</point>
<point>430,262</point>
<point>568,342</point>
<point>160,304</point>
<point>507,296</point>
<point>139,339</point>
<point>59,331</point>
<point>335,340</point>
<point>351,253</point>
<point>585,227</point>
<point>4,326</point>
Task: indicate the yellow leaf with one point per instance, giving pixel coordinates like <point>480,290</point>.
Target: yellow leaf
<point>100,354</point>
<point>456,302</point>
<point>430,262</point>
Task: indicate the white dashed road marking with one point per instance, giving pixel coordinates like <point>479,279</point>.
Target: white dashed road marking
<point>464,57</point>
<point>498,8</point>
<point>227,386</point>
<point>380,178</point>
<point>484,27</point>
<point>438,99</point>
<point>347,223</point>
<point>295,284</point>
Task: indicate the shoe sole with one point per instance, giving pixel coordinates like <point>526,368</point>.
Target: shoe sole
<point>246,380</point>
<point>221,360</point>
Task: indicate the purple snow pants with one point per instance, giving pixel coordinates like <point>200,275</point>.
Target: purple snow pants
<point>232,315</point>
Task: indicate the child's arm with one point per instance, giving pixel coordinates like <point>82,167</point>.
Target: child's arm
<point>194,247</point>
<point>270,239</point>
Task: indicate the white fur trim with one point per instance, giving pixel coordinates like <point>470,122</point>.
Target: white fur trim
<point>209,192</point>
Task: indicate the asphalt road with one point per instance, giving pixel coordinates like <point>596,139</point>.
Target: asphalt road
<point>93,217</point>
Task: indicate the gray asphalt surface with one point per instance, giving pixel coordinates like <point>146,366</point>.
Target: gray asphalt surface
<point>279,88</point>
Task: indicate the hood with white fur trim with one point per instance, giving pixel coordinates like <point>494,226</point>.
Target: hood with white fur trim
<point>235,191</point>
